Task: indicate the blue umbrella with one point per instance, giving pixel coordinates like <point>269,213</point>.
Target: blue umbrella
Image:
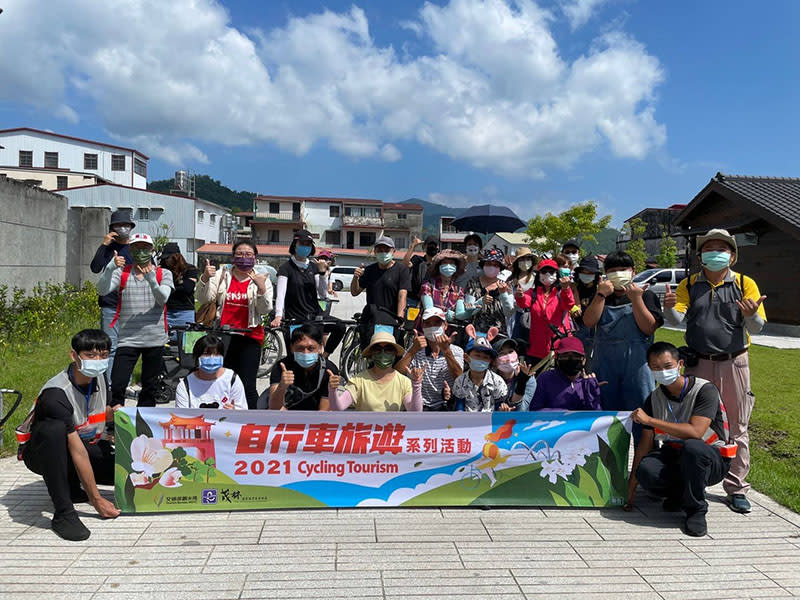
<point>488,218</point>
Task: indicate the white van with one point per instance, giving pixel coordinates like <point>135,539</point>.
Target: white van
<point>658,279</point>
<point>341,277</point>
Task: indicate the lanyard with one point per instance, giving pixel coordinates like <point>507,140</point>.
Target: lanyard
<point>683,393</point>
<point>87,395</point>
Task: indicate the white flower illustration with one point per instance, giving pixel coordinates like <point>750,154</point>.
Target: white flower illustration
<point>149,456</point>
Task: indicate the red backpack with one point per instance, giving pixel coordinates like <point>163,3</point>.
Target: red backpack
<point>123,280</point>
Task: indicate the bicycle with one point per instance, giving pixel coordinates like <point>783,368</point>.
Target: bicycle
<point>4,418</point>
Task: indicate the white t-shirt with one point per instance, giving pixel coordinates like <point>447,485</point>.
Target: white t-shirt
<point>203,391</point>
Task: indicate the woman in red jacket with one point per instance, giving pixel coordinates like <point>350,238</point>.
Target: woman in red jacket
<point>549,304</point>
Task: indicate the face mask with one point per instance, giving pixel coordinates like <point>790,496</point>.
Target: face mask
<point>667,376</point>
<point>586,278</point>
<point>142,257</point>
<point>479,366</point>
<point>525,265</point>
<point>573,256</point>
<point>448,270</point>
<point>564,271</point>
<point>383,360</point>
<point>302,251</point>
<point>620,278</point>
<point>431,250</point>
<point>473,250</point>
<point>432,333</point>
<point>570,366</point>
<point>93,368</point>
<point>211,363</point>
<point>716,260</point>
<point>384,258</point>
<point>491,272</point>
<point>122,231</point>
<point>508,362</point>
<point>547,278</point>
<point>244,263</point>
<point>306,359</point>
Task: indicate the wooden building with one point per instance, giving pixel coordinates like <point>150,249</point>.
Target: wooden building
<point>764,215</point>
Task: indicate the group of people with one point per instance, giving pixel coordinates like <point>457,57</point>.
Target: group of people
<point>486,330</point>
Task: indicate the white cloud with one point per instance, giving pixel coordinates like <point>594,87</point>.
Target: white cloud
<point>495,92</point>
<point>580,11</point>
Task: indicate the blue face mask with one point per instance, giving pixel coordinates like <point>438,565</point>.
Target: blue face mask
<point>716,260</point>
<point>448,270</point>
<point>210,364</point>
<point>564,271</point>
<point>477,365</point>
<point>302,251</point>
<point>306,359</point>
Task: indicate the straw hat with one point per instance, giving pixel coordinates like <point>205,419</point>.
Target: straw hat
<point>382,337</point>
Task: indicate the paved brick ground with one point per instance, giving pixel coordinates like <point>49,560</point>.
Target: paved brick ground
<point>362,554</point>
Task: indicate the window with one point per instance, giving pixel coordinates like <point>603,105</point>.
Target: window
<point>273,236</point>
<point>25,158</point>
<point>139,167</point>
<point>335,210</point>
<point>51,160</point>
<point>274,208</point>
<point>61,182</point>
<point>366,238</point>
<point>402,216</point>
<point>143,214</point>
<point>296,210</point>
<point>212,219</point>
<point>333,238</point>
<point>400,242</point>
<point>117,162</point>
<point>200,216</point>
<point>90,162</point>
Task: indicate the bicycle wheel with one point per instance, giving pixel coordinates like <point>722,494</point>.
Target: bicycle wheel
<point>271,352</point>
<point>352,363</point>
<point>349,337</point>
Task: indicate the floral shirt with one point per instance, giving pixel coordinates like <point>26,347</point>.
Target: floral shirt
<point>479,398</point>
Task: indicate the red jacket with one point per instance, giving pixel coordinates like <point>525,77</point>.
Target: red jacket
<point>553,311</point>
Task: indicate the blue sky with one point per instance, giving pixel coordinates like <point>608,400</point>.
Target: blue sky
<point>532,105</point>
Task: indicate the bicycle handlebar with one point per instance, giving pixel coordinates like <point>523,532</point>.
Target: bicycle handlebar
<point>209,328</point>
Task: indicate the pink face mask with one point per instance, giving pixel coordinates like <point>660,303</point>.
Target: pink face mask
<point>508,362</point>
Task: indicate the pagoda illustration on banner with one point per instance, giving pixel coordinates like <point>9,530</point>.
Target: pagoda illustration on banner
<point>188,433</point>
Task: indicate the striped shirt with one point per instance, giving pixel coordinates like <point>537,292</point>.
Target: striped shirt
<point>141,321</point>
<point>436,373</point>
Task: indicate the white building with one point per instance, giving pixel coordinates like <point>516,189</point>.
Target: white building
<point>191,222</point>
<point>509,243</point>
<point>59,162</point>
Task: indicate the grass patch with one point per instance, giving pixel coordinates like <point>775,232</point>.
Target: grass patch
<point>775,423</point>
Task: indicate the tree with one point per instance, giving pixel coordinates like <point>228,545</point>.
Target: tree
<point>579,222</point>
<point>668,253</point>
<point>636,228</point>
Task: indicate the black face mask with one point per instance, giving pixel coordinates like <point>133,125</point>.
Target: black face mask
<point>570,366</point>
<point>431,250</point>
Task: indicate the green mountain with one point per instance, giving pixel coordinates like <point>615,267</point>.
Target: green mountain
<point>606,242</point>
<point>431,213</point>
<point>211,190</point>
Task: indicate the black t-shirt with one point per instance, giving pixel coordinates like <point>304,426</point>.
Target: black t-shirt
<point>706,404</point>
<point>301,291</point>
<point>54,404</point>
<point>305,382</point>
<point>651,302</point>
<point>419,274</point>
<point>383,285</point>
<point>182,297</point>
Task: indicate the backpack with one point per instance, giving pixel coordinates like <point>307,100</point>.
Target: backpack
<point>123,281</point>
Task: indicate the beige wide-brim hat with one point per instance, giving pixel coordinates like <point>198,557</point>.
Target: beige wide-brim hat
<point>382,337</point>
<point>524,251</point>
<point>719,234</point>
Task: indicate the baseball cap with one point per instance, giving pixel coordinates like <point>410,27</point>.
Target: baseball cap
<point>569,344</point>
<point>141,238</point>
<point>433,311</point>
<point>482,344</point>
<point>385,240</point>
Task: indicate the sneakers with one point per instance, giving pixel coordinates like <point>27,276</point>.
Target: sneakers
<point>695,525</point>
<point>70,528</point>
<point>671,505</point>
<point>739,503</point>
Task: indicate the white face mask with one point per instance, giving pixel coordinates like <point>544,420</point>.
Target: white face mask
<point>620,278</point>
<point>525,265</point>
<point>491,271</point>
<point>431,333</point>
<point>586,278</point>
<point>93,367</point>
<point>667,376</point>
<point>573,256</point>
<point>547,278</point>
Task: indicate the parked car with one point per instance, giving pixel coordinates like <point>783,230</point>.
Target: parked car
<point>658,279</point>
<point>341,277</point>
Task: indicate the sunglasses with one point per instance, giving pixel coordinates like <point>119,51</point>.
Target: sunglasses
<point>382,348</point>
